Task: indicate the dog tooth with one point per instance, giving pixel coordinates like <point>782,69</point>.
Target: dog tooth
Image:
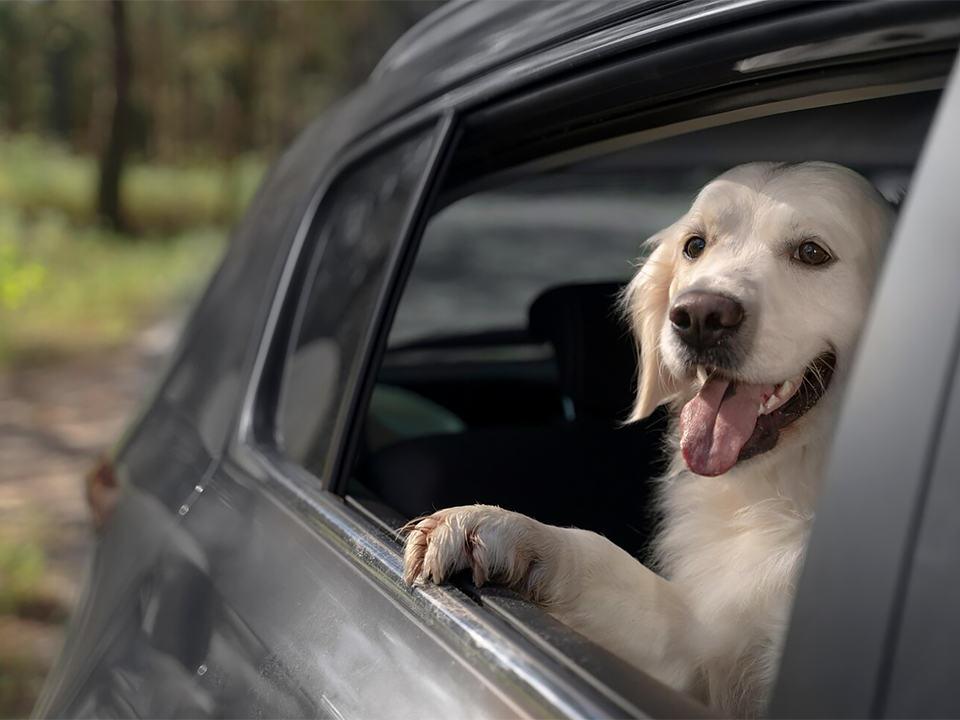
<point>772,403</point>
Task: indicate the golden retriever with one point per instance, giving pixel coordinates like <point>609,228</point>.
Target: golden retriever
<point>747,313</point>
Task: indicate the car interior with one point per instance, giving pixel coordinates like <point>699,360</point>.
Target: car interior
<point>509,372</point>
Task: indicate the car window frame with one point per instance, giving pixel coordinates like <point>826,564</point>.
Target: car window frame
<point>256,426</point>
<point>504,603</point>
<point>607,672</point>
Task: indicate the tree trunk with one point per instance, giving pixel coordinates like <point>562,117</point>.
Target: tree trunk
<point>111,161</point>
<point>60,62</point>
<point>12,45</point>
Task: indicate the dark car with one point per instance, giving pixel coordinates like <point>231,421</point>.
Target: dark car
<point>418,311</point>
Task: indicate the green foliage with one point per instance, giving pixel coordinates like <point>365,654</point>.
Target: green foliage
<point>69,286</point>
<point>173,199</point>
<point>98,288</point>
<point>38,176</point>
<point>210,78</point>
<point>34,174</point>
<point>21,573</point>
<point>19,276</point>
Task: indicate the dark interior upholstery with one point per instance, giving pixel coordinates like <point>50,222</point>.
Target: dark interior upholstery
<point>589,471</point>
<point>594,348</point>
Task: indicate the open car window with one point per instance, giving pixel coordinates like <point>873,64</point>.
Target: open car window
<point>508,371</point>
<point>489,255</point>
<point>500,371</point>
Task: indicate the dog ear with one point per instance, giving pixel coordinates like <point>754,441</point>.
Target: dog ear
<point>645,301</point>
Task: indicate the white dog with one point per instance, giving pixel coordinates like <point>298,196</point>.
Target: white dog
<point>747,313</point>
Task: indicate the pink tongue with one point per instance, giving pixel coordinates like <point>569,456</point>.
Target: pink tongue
<point>715,425</point>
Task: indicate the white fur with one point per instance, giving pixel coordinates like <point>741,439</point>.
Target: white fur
<point>711,620</point>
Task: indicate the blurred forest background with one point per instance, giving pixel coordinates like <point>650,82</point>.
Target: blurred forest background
<point>132,135</point>
<point>148,125</point>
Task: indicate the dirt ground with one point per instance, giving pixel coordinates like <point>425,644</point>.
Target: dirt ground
<point>54,422</point>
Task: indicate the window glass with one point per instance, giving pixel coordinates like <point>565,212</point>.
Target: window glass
<point>365,216</point>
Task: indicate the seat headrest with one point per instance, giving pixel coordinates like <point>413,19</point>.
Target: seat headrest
<point>595,350</point>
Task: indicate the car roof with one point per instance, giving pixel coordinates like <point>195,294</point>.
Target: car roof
<point>467,37</point>
<point>483,48</point>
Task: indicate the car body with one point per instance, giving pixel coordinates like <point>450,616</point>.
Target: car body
<point>243,573</point>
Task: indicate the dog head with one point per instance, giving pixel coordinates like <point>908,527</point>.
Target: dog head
<point>749,303</point>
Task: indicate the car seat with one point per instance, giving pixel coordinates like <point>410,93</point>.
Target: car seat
<point>588,470</point>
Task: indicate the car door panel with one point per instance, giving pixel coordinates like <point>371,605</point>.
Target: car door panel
<point>337,637</point>
<point>352,648</point>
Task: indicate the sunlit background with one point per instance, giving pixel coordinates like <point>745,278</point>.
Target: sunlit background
<point>132,136</point>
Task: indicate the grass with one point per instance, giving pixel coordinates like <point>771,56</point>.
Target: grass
<point>21,575</point>
<point>70,290</point>
<point>31,620</point>
<point>67,286</point>
<point>38,175</point>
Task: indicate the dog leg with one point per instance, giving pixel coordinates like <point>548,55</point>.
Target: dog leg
<point>581,578</point>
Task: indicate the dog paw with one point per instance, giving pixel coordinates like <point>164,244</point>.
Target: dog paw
<point>493,544</point>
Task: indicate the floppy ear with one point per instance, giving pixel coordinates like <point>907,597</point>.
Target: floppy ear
<point>646,300</point>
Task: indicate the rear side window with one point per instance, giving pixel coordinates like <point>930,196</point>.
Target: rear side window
<point>368,212</point>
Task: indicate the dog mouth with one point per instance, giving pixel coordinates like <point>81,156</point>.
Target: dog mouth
<point>730,420</point>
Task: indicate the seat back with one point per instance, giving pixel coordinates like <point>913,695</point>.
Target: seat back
<point>589,471</point>
<point>595,351</point>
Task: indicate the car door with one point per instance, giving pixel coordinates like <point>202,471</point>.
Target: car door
<point>197,604</point>
<point>294,597</point>
<point>322,639</point>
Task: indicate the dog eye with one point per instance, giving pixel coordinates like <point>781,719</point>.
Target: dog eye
<point>809,253</point>
<point>694,247</point>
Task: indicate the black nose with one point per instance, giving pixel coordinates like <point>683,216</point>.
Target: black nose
<point>704,320</point>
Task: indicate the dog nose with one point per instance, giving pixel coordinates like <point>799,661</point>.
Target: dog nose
<point>703,320</point>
